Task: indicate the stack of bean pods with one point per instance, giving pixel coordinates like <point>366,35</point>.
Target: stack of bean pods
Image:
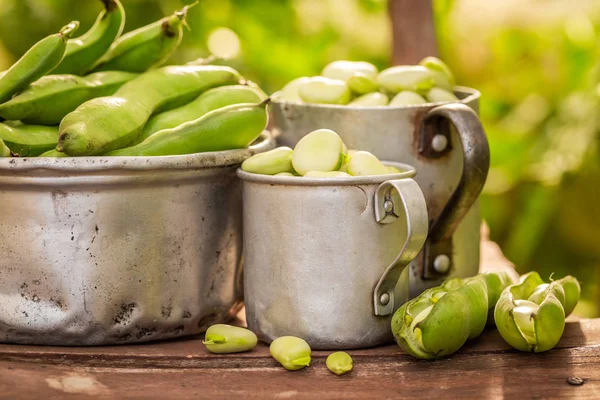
<point>106,94</point>
<point>530,315</point>
<point>359,84</point>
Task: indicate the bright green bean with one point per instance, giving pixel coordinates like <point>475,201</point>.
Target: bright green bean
<point>272,162</point>
<point>339,362</point>
<point>53,153</point>
<point>363,163</point>
<point>47,100</point>
<point>407,97</point>
<point>290,92</point>
<point>4,150</point>
<point>361,84</point>
<point>39,60</point>
<point>146,47</point>
<point>231,127</point>
<point>109,123</point>
<point>442,74</point>
<point>370,100</point>
<point>208,101</point>
<point>28,140</point>
<point>415,78</point>
<point>83,52</point>
<point>323,90</point>
<point>344,70</point>
<point>438,95</point>
<point>222,339</point>
<point>320,150</point>
<point>291,352</point>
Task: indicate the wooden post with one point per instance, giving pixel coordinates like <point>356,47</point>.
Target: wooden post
<point>413,32</point>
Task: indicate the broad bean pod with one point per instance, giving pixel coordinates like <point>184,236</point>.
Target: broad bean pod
<point>530,315</point>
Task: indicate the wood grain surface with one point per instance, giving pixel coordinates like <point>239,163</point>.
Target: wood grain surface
<point>181,369</point>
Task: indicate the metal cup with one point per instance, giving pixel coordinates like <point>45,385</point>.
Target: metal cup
<point>113,250</point>
<point>447,145</point>
<point>322,257</point>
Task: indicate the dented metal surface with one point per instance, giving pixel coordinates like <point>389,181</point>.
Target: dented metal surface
<point>322,256</point>
<point>119,250</point>
<point>406,134</point>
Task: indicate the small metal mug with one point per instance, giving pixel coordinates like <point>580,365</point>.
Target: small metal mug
<point>447,145</point>
<point>322,257</point>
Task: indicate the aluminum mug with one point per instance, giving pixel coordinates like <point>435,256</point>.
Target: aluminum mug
<point>448,147</point>
<point>113,250</point>
<point>323,256</point>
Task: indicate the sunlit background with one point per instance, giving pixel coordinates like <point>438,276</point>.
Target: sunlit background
<point>536,63</point>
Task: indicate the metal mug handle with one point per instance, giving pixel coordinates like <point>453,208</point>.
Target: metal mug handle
<point>415,211</point>
<point>437,257</point>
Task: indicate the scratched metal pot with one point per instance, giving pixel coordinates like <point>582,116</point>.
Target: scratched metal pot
<point>447,145</point>
<point>119,250</point>
<point>322,257</point>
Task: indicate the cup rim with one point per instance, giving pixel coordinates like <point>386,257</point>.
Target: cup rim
<point>408,171</point>
<point>466,94</point>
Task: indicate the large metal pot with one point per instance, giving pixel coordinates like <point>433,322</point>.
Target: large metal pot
<point>322,257</point>
<point>447,145</point>
<point>110,250</point>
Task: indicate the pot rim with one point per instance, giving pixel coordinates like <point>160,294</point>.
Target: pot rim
<point>205,160</point>
<point>408,171</point>
<point>466,94</point>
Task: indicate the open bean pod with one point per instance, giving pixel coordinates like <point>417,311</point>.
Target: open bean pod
<point>530,315</point>
<point>439,321</point>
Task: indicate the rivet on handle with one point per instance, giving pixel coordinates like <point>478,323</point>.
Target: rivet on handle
<point>441,263</point>
<point>439,143</point>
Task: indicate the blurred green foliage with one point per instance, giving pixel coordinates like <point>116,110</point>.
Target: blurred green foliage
<point>536,64</point>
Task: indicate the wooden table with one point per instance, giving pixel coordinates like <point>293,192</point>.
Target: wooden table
<point>183,369</point>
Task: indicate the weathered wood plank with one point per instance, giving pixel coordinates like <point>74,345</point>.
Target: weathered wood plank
<point>183,369</point>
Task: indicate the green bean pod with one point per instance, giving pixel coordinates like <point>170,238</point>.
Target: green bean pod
<point>146,47</point>
<point>439,321</point>
<point>28,140</point>
<point>39,60</point>
<point>530,315</point>
<point>83,52</point>
<point>53,153</point>
<point>4,150</point>
<point>231,127</point>
<point>47,100</point>
<point>207,101</point>
<point>104,124</point>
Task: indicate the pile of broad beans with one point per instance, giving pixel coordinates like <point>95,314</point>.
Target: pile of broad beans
<point>530,316</point>
<point>104,93</point>
<point>360,84</point>
<point>319,154</point>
